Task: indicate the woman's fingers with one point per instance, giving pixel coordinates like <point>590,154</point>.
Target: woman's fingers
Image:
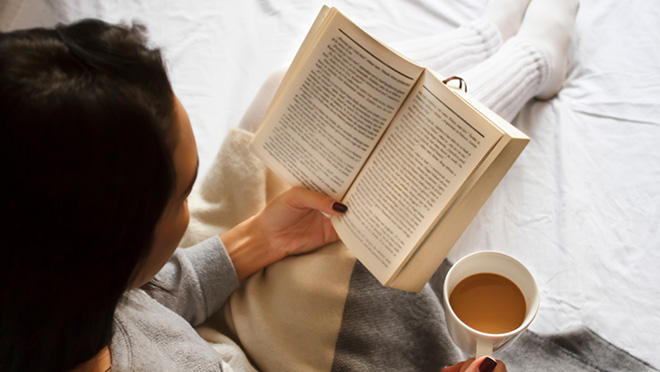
<point>483,364</point>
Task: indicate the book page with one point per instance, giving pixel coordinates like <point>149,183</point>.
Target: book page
<point>429,151</point>
<point>334,109</point>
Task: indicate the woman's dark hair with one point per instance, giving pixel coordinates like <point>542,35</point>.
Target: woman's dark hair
<point>86,134</point>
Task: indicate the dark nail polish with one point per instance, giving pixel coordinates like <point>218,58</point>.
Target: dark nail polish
<point>339,207</point>
<point>487,365</point>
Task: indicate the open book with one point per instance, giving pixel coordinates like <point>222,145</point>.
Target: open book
<point>412,158</point>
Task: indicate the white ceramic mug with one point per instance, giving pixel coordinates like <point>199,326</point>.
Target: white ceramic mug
<point>468,339</point>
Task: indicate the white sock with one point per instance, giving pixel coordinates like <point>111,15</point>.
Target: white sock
<point>506,15</point>
<point>550,25</point>
<point>509,78</point>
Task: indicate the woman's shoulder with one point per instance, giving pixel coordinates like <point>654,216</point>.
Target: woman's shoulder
<point>149,336</point>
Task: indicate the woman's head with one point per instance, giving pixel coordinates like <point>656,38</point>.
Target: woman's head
<point>89,135</point>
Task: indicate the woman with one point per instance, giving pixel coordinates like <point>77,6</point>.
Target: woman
<point>99,157</point>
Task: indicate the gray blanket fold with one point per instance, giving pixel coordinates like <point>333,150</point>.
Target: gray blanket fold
<point>384,329</point>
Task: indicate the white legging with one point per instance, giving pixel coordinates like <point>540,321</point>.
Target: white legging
<point>502,76</point>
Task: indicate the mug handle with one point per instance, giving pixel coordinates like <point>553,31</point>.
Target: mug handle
<point>484,348</point>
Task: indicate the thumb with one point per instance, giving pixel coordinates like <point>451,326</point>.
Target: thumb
<point>302,198</point>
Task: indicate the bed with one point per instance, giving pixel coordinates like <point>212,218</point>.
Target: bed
<point>581,207</point>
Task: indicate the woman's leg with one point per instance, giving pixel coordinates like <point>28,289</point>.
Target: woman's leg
<point>453,52</point>
<point>530,64</point>
<point>502,76</point>
<point>509,78</point>
<point>448,53</point>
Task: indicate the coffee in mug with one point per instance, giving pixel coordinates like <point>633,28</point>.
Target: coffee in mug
<point>497,301</point>
<point>489,303</point>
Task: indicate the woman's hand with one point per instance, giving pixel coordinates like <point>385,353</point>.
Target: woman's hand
<point>293,222</point>
<point>484,364</point>
<point>290,224</point>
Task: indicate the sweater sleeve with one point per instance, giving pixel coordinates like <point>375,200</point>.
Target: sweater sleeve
<point>196,281</point>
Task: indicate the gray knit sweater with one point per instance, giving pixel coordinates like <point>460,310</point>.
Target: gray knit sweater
<point>153,329</point>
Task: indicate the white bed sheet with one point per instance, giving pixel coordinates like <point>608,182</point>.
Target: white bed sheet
<point>581,207</point>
